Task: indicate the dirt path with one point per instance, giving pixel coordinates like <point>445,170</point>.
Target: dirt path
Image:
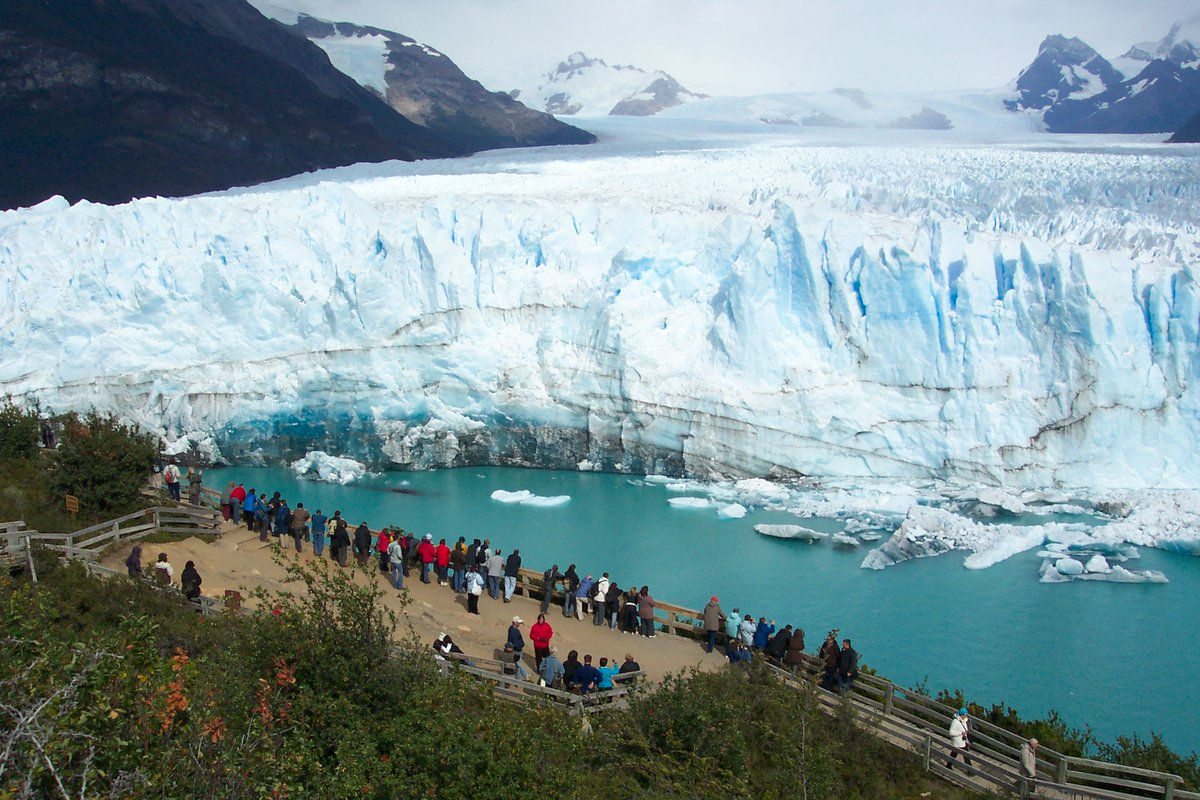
<point>240,561</point>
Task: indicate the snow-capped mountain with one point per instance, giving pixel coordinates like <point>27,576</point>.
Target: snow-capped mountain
<point>113,99</point>
<point>589,87</point>
<point>426,87</point>
<point>1010,315</point>
<point>1152,88</point>
<point>1189,133</point>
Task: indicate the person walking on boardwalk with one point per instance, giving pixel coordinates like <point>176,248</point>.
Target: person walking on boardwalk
<point>512,569</point>
<point>541,633</point>
<point>795,651</point>
<point>190,581</point>
<point>227,502</point>
<point>714,620</point>
<point>549,578</point>
<point>645,605</point>
<point>134,562</point>
<point>474,589</point>
<point>249,506</point>
<point>171,479</point>
<point>1028,769</point>
<point>847,666</point>
<point>362,544</point>
<point>515,639</point>
<point>960,738</point>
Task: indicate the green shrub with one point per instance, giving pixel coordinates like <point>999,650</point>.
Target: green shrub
<point>103,462</point>
<point>19,431</point>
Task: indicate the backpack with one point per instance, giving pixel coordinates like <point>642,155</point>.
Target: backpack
<point>593,590</point>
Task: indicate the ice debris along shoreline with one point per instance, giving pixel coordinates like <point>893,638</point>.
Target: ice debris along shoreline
<point>930,519</point>
<point>332,469</point>
<point>525,497</point>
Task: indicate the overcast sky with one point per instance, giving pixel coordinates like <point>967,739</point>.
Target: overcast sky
<point>731,47</point>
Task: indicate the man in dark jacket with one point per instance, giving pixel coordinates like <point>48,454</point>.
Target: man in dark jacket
<point>714,620</point>
<point>549,578</point>
<point>779,643</point>
<point>362,543</point>
<point>512,568</point>
<point>515,640</point>
<point>847,666</point>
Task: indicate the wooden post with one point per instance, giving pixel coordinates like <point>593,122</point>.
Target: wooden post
<point>1062,770</point>
<point>1169,790</point>
<point>927,751</point>
<point>887,701</point>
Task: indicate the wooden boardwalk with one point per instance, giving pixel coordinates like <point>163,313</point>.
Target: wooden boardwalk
<point>900,716</point>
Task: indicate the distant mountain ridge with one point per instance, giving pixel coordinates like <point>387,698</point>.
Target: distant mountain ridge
<point>426,87</point>
<point>1153,88</point>
<point>591,87</point>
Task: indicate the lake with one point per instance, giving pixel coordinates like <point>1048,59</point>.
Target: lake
<point>996,633</point>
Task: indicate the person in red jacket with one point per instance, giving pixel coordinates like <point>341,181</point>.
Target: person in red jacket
<point>385,541</point>
<point>541,633</point>
<point>426,553</point>
<point>238,495</point>
<point>441,559</point>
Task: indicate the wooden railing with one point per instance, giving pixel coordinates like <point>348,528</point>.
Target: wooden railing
<point>509,687</point>
<point>87,544</point>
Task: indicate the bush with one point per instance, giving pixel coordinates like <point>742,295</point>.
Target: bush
<point>19,431</point>
<point>103,462</point>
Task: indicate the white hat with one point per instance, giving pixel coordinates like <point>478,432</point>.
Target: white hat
<point>429,536</point>
<point>518,620</point>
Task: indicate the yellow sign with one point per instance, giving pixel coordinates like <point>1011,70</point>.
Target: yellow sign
<point>72,504</point>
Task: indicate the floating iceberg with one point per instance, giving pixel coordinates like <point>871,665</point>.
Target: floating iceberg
<point>842,540</point>
<point>732,511</point>
<point>690,502</point>
<point>324,467</point>
<point>528,498</point>
<point>797,532</point>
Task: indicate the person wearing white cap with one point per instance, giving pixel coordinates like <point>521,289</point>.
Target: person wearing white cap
<point>1029,768</point>
<point>960,739</point>
<point>516,641</point>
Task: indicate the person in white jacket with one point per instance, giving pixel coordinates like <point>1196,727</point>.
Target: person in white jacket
<point>600,598</point>
<point>960,739</point>
<point>747,629</point>
<point>1029,767</point>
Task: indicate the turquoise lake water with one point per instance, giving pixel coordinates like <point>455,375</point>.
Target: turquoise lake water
<point>1082,648</point>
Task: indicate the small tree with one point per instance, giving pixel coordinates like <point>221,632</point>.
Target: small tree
<point>18,431</point>
<point>102,461</point>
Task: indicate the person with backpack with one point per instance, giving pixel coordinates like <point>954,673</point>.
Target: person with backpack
<point>570,587</point>
<point>600,599</point>
<point>474,589</point>
<point>171,479</point>
<point>190,581</point>
<point>549,578</point>
<point>583,596</point>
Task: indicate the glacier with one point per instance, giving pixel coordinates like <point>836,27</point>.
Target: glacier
<point>676,300</point>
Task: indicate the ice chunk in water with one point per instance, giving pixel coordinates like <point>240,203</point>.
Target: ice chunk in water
<point>1069,566</point>
<point>1097,564</point>
<point>732,511</point>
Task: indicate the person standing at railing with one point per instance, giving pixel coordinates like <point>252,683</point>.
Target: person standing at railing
<point>583,595</point>
<point>195,484</point>
<point>458,565</point>
<point>960,739</point>
<point>847,666</point>
<point>646,612</point>
<point>441,562</point>
<point>549,578</point>
<point>829,656</point>
<point>362,544</point>
<point>299,525</point>
<point>714,620</point>
<point>600,600</point>
<point>613,604</point>
<point>396,563</point>
<point>777,647</point>
<point>795,651</point>
<point>318,532</point>
<point>746,631</point>
<point>227,502</point>
<point>762,633</point>
<point>340,543</point>
<point>632,623</point>
<point>733,624</point>
<point>262,516</point>
<point>1029,768</point>
<point>512,568</point>
<point>249,505</point>
<point>426,553</point>
<point>495,572</point>
<point>570,581</point>
<point>383,547</point>
<point>237,497</point>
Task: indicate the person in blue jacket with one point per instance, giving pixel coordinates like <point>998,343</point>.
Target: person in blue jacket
<point>762,634</point>
<point>249,505</point>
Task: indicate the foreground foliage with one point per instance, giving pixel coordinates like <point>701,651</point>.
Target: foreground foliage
<point>115,689</point>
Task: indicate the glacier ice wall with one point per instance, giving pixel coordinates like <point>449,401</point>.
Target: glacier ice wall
<point>1004,315</point>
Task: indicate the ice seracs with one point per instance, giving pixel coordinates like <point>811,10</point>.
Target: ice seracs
<point>325,467</point>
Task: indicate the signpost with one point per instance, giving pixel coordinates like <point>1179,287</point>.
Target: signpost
<point>72,503</point>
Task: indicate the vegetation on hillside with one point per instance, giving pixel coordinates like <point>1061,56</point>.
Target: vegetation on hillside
<point>100,460</point>
<point>113,688</point>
